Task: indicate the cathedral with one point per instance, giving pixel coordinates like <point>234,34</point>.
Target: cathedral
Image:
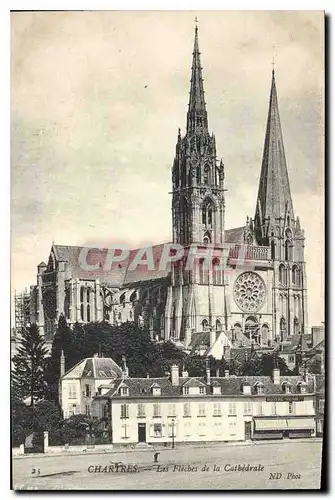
<point>258,296</point>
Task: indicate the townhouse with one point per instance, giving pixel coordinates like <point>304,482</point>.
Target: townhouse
<point>179,408</point>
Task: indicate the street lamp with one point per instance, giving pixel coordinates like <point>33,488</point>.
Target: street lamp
<point>172,433</point>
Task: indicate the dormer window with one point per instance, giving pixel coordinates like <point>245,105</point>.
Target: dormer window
<point>124,390</point>
<point>246,389</point>
<point>156,390</point>
<point>216,389</point>
<point>302,387</point>
<point>259,388</point>
<point>287,387</point>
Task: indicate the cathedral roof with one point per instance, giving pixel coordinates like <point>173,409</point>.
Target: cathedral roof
<point>274,194</point>
<point>234,235</point>
<point>97,368</point>
<point>120,273</point>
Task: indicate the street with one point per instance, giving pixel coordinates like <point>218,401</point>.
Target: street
<point>283,465</point>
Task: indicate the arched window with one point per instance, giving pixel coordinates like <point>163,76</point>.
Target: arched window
<point>287,249</point>
<point>206,174</point>
<point>295,275</point>
<point>198,174</point>
<point>296,326</point>
<point>288,244</point>
<point>123,299</point>
<point>82,290</point>
<point>265,333</point>
<point>204,214</point>
<point>82,312</point>
<point>88,312</point>
<point>185,221</point>
<point>207,213</point>
<point>130,314</point>
<point>217,273</point>
<point>209,216</point>
<point>119,316</point>
<point>273,250</point>
<point>203,273</point>
<point>88,295</point>
<point>204,325</point>
<point>283,328</point>
<point>218,325</point>
<point>282,275</point>
<point>251,327</point>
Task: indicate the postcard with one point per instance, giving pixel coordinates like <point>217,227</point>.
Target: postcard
<point>167,247</point>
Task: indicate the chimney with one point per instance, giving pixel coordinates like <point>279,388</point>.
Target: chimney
<point>175,375</point>
<point>148,376</point>
<point>125,371</point>
<point>62,364</point>
<point>184,373</point>
<point>276,374</point>
<point>208,373</point>
<point>226,373</point>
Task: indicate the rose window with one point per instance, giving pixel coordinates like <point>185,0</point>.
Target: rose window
<point>249,292</point>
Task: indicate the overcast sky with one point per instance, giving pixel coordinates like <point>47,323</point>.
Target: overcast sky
<point>96,101</point>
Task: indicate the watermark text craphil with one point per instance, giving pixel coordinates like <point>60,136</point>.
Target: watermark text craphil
<point>158,260</point>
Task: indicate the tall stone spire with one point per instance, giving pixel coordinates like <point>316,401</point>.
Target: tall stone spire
<point>274,195</point>
<point>197,114</point>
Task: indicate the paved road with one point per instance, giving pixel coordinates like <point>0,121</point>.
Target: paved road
<point>178,469</point>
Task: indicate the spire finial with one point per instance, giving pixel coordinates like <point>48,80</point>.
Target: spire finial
<point>197,115</point>
<point>273,66</point>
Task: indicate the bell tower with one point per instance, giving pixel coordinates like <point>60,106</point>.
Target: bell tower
<point>198,207</point>
<point>197,178</point>
<point>277,227</point>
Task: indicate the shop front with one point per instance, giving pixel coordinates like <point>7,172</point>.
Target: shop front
<point>279,428</point>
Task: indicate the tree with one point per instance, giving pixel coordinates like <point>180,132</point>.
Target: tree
<point>28,366</point>
<point>62,341</point>
<point>79,429</point>
<point>47,416</point>
<point>195,365</point>
<point>22,421</point>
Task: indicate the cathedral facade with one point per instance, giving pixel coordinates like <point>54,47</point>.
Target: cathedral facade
<point>248,281</point>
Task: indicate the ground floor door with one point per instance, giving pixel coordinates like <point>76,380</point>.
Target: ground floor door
<point>142,434</point>
<point>247,430</point>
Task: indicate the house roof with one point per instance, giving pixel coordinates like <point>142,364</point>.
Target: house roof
<point>194,382</point>
<point>97,368</point>
<point>241,339</point>
<point>320,383</point>
<point>230,386</point>
<point>198,340</point>
<point>314,350</point>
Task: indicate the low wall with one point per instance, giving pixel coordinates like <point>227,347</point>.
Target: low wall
<point>79,448</point>
<point>100,448</point>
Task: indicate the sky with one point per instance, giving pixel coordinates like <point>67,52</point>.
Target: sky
<point>96,102</point>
